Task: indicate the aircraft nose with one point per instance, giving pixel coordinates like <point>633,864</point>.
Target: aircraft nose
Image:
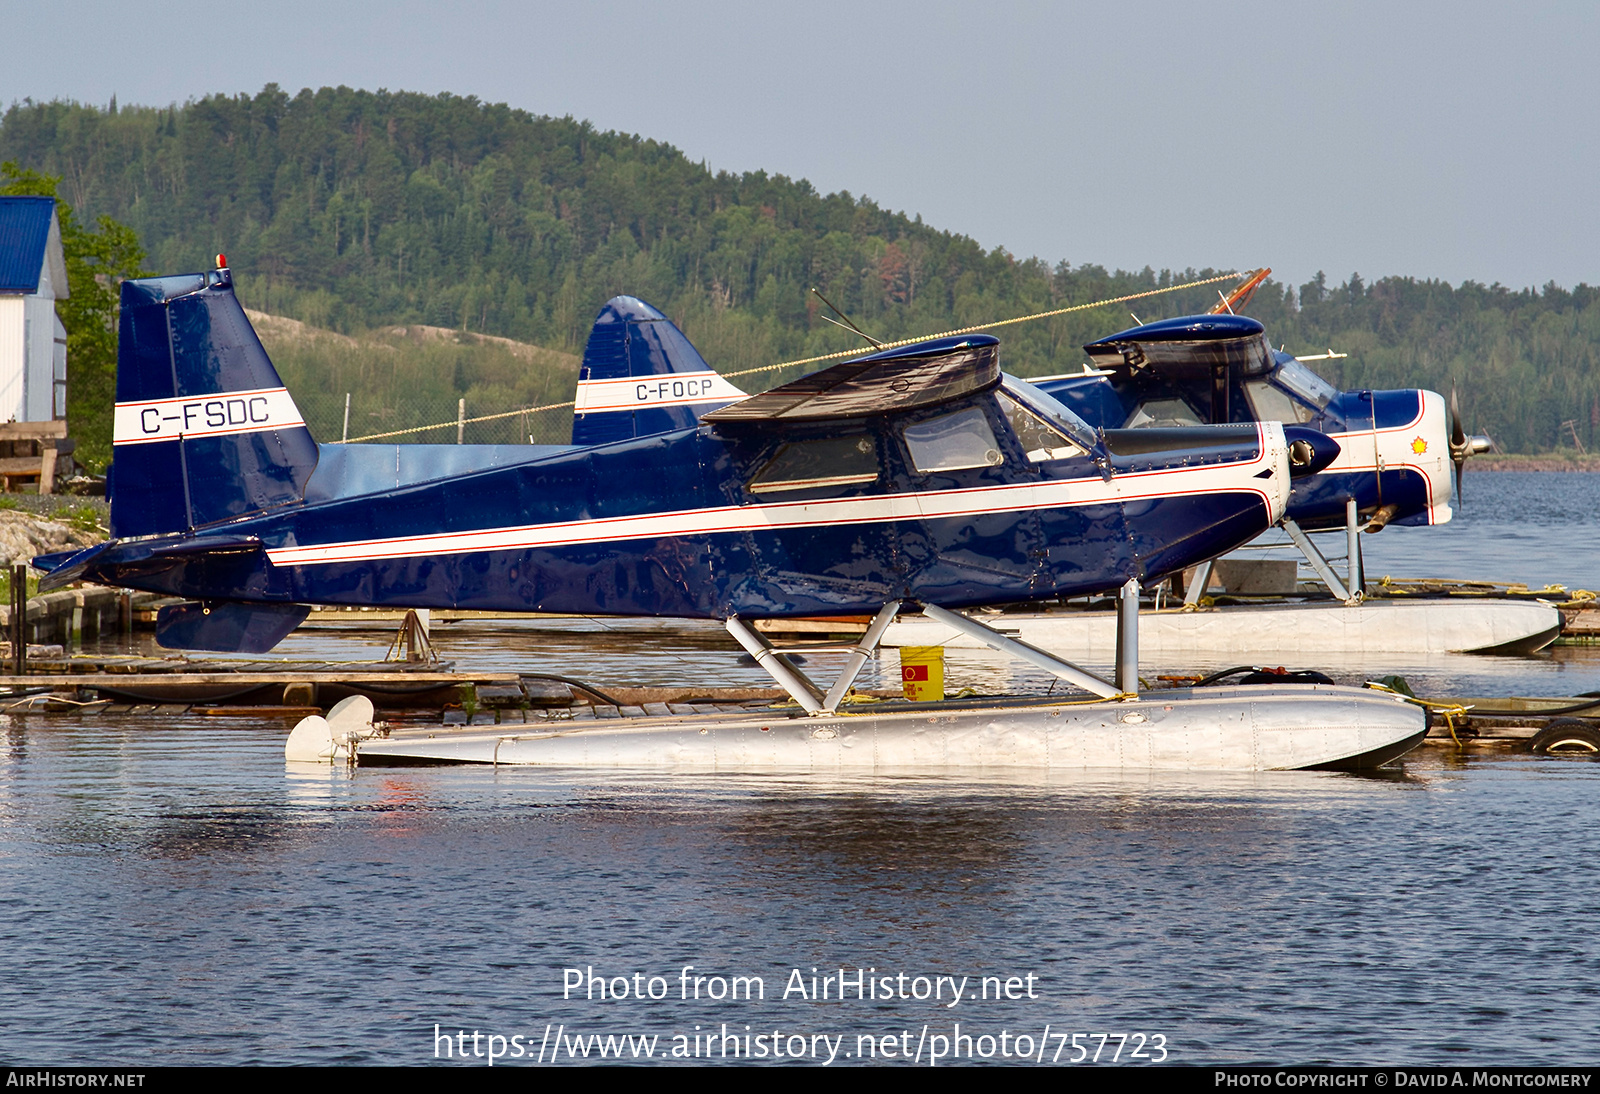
<point>1310,450</point>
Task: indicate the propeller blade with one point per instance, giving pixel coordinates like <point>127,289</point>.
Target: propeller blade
<point>1458,442</point>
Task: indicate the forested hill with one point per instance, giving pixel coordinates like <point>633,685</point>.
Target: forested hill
<point>353,209</point>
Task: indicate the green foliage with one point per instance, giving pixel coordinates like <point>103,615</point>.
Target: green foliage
<point>97,259</point>
<point>31,584</point>
<point>84,518</point>
<point>403,378</point>
<point>353,210</point>
<point>1524,362</point>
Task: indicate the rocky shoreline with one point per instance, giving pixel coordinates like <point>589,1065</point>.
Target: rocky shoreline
<point>1535,463</point>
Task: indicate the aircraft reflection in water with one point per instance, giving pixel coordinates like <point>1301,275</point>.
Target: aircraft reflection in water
<point>920,473</point>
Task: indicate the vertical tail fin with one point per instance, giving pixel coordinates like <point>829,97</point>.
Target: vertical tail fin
<point>641,376</point>
<point>204,429</point>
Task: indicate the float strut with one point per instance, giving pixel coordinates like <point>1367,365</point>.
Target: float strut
<point>1353,558</point>
<point>1128,637</point>
<point>1318,563</point>
<point>859,654</point>
<point>1012,647</point>
<point>1198,582</point>
<point>790,678</point>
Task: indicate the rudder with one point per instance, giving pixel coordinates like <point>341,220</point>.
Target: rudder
<point>641,376</point>
<point>204,429</point>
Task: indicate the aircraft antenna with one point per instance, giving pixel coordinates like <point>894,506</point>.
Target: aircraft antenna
<point>848,324</point>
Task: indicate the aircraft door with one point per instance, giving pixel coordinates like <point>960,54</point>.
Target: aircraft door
<point>828,545</point>
<point>971,480</point>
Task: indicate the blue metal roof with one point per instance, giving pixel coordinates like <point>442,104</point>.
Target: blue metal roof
<point>24,230</point>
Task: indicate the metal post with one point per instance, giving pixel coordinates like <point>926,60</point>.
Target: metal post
<point>461,420</point>
<point>344,437</point>
<point>859,654</point>
<point>1352,563</point>
<point>19,618</point>
<point>1314,556</point>
<point>1013,647</point>
<point>1128,637</point>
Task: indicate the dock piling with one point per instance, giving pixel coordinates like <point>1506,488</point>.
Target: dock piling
<point>19,618</point>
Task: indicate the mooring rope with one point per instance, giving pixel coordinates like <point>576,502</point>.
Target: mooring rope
<point>830,356</point>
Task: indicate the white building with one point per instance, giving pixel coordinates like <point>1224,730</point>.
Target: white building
<point>33,343</point>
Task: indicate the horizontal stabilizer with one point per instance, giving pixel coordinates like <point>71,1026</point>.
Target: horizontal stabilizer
<point>227,627</point>
<point>65,567</point>
<point>925,374</point>
<point>102,562</point>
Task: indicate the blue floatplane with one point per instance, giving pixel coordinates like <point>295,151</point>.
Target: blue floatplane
<point>919,476</point>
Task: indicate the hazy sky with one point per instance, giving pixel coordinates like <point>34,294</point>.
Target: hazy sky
<point>1452,140</point>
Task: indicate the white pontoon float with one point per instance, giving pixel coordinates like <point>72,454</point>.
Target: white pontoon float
<point>1241,728</point>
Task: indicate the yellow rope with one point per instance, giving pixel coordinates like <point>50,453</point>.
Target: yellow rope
<point>459,421</point>
<point>828,356</point>
<point>1450,711</point>
<point>985,326</point>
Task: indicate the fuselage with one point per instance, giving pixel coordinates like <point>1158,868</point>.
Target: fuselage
<point>725,520</point>
<point>1394,445</point>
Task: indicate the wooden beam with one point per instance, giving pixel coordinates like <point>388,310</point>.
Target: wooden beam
<point>31,431</point>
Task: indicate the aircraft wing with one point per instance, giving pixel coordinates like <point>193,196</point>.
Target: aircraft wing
<point>920,375</point>
<point>1196,340</point>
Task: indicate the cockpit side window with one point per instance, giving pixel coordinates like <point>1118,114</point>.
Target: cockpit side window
<point>827,461</point>
<point>1040,440</point>
<point>1162,414</point>
<point>1273,404</point>
<point>1047,407</point>
<point>952,442</point>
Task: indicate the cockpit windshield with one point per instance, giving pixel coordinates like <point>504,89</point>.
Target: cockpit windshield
<point>1306,384</point>
<point>1052,411</point>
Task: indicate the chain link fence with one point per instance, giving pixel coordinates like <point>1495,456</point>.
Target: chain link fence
<point>357,416</point>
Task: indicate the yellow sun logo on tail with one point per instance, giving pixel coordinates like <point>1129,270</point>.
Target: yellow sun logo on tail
<point>1419,446</point>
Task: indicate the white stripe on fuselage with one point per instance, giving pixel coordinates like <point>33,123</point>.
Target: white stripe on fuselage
<point>643,392</point>
<point>218,415</point>
<point>875,509</point>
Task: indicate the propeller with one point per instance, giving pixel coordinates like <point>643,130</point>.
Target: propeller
<point>1458,440</point>
<point>1461,445</point>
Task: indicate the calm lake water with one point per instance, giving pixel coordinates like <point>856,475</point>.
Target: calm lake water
<point>171,894</point>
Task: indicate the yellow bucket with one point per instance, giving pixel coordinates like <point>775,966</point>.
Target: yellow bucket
<point>922,673</point>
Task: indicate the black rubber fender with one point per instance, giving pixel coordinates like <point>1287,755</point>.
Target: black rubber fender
<point>1568,736</point>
